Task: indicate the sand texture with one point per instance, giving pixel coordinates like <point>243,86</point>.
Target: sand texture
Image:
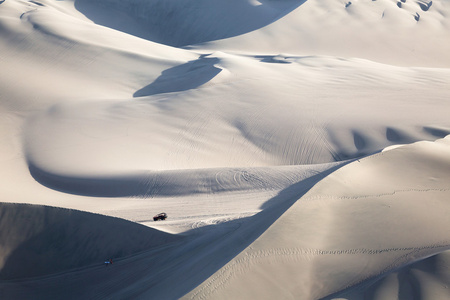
<point>300,148</point>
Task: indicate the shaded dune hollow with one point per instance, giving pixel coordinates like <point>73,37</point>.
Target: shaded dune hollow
<point>181,23</point>
<point>41,240</point>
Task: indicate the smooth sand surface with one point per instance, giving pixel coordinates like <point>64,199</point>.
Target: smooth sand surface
<point>300,149</point>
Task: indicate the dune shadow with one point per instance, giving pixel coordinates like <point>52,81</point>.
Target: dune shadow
<point>437,131</point>
<point>297,190</point>
<point>393,135</point>
<point>359,140</point>
<point>185,23</point>
<point>112,186</point>
<point>189,259</point>
<point>274,59</point>
<point>425,6</point>
<point>139,184</point>
<point>398,136</point>
<point>42,240</point>
<point>37,3</point>
<point>183,77</point>
<point>409,285</point>
<point>245,231</point>
<point>158,183</point>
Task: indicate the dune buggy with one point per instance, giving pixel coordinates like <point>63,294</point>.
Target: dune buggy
<point>161,216</point>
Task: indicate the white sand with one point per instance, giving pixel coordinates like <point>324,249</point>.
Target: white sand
<point>257,126</point>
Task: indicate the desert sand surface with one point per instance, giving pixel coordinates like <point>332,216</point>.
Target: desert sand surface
<point>301,149</point>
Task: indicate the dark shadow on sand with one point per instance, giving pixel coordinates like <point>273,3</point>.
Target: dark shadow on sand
<point>183,23</point>
<point>245,231</point>
<point>183,77</point>
<point>188,262</point>
<point>157,183</point>
<point>43,240</point>
<point>113,186</point>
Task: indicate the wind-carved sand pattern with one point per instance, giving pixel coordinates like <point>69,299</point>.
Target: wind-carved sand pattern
<point>301,149</point>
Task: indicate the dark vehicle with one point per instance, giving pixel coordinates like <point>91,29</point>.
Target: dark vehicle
<point>161,216</point>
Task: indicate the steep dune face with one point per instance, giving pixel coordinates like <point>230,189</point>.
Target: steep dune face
<point>365,220</point>
<point>180,23</point>
<point>233,221</point>
<point>40,240</point>
<point>377,30</point>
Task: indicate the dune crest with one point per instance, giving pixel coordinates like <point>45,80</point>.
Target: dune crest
<point>357,225</point>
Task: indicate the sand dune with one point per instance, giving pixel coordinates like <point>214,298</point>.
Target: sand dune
<point>44,240</point>
<point>416,279</point>
<point>367,219</point>
<point>300,149</point>
<point>179,24</point>
<point>177,127</point>
<point>395,32</point>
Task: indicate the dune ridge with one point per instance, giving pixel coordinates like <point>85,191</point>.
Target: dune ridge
<point>358,230</point>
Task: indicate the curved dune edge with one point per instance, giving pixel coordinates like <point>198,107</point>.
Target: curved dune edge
<point>429,278</point>
<point>365,220</point>
<point>40,240</point>
<point>152,273</point>
<point>179,182</point>
<point>179,24</point>
<point>340,28</point>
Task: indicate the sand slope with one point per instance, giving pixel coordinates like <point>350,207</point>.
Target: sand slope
<point>365,220</point>
<point>38,240</point>
<point>395,32</point>
<point>428,278</point>
<point>258,126</point>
